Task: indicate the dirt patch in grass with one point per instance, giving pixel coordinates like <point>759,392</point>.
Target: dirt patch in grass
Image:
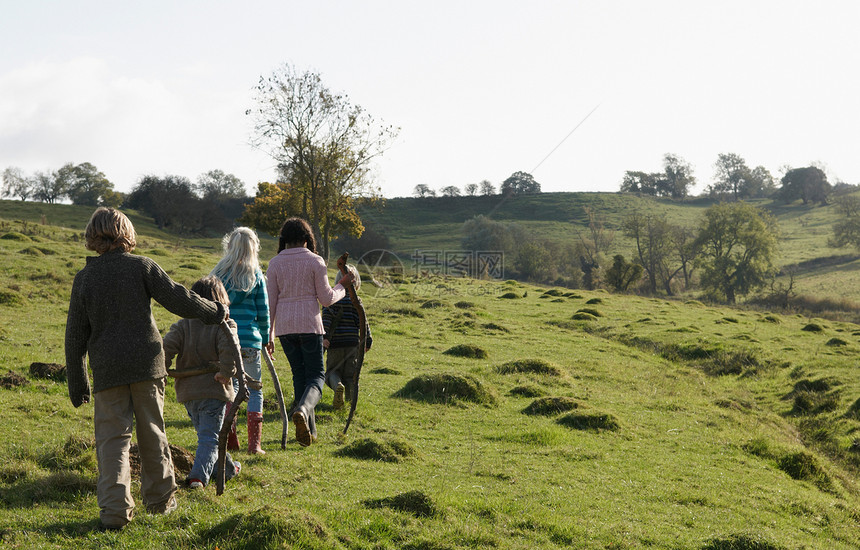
<point>551,406</point>
<point>12,380</point>
<point>183,460</point>
<point>412,502</point>
<point>446,389</point>
<point>50,371</point>
<point>743,541</point>
<point>385,370</point>
<point>534,391</point>
<point>266,528</point>
<point>470,351</point>
<point>533,366</point>
<point>372,449</point>
<point>590,421</point>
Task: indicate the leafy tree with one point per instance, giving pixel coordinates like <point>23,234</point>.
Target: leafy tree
<point>471,189</point>
<point>47,187</point>
<point>216,185</point>
<point>731,171</point>
<point>520,183</point>
<point>422,190</point>
<point>738,245</point>
<point>324,146</point>
<point>652,235</point>
<point>639,182</point>
<point>678,179</point>
<point>686,250</point>
<point>451,191</point>
<point>534,262</point>
<point>487,188</point>
<point>272,205</point>
<point>808,184</point>
<point>16,184</point>
<point>483,234</point>
<point>846,231</point>
<point>86,184</point>
<point>622,274</point>
<point>169,200</point>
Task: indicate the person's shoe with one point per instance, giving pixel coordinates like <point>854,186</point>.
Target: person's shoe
<point>111,526</point>
<point>303,431</point>
<point>164,509</point>
<point>255,433</point>
<point>195,484</point>
<point>339,391</point>
<point>238,466</point>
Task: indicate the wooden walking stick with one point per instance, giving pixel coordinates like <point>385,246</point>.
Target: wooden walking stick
<point>362,338</point>
<point>280,394</point>
<point>241,395</point>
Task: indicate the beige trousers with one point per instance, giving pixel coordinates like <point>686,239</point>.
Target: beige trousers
<point>116,410</point>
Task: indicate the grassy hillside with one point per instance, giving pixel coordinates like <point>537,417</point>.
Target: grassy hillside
<point>492,415</point>
<point>436,223</point>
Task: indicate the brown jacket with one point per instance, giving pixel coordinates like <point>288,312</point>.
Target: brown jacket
<point>110,320</point>
<point>198,346</point>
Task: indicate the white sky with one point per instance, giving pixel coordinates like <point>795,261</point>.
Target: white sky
<point>480,89</point>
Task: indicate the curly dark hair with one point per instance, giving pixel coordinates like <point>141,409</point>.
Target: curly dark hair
<point>297,232</point>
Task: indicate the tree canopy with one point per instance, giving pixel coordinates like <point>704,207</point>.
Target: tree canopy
<point>738,245</point>
<point>676,180</point>
<point>519,183</point>
<point>324,146</point>
<point>808,184</point>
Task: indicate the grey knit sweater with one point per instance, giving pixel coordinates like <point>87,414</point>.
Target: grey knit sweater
<point>110,319</point>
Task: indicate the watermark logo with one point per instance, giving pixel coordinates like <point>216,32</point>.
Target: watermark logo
<point>459,263</point>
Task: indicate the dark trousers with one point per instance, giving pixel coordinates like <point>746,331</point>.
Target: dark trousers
<point>305,354</point>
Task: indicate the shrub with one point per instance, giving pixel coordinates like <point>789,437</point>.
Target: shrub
<point>467,350</point>
<point>804,467</point>
<point>534,366</point>
<point>447,388</point>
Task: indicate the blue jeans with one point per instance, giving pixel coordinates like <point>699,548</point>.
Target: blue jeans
<point>305,354</point>
<point>253,368</point>
<point>207,416</point>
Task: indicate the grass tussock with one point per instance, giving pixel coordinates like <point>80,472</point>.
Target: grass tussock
<point>447,389</point>
<point>10,298</point>
<point>469,351</point>
<point>590,421</point>
<point>494,326</point>
<point>270,529</point>
<point>510,296</point>
<point>799,465</point>
<point>66,486</point>
<point>590,311</point>
<point>836,342</point>
<point>412,502</point>
<point>534,391</point>
<point>463,304</point>
<point>553,292</point>
<point>812,327</point>
<point>742,541</point>
<point>385,370</point>
<point>529,366</point>
<point>594,301</point>
<point>432,304</point>
<point>372,449</point>
<point>583,316</point>
<point>814,396</point>
<point>404,311</point>
<point>551,406</point>
<point>15,236</point>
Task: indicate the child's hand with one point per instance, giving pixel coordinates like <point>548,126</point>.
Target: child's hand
<point>326,343</point>
<point>346,279</point>
<point>223,380</point>
<point>270,347</point>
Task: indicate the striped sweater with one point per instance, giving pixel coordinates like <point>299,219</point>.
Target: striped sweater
<point>250,310</point>
<point>343,317</point>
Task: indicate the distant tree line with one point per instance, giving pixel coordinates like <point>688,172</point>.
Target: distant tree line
<point>518,183</point>
<point>733,180</point>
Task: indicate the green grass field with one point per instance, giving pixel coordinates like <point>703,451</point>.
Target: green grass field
<point>493,414</point>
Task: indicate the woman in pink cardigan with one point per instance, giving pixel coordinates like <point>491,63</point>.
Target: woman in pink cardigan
<point>297,283</point>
